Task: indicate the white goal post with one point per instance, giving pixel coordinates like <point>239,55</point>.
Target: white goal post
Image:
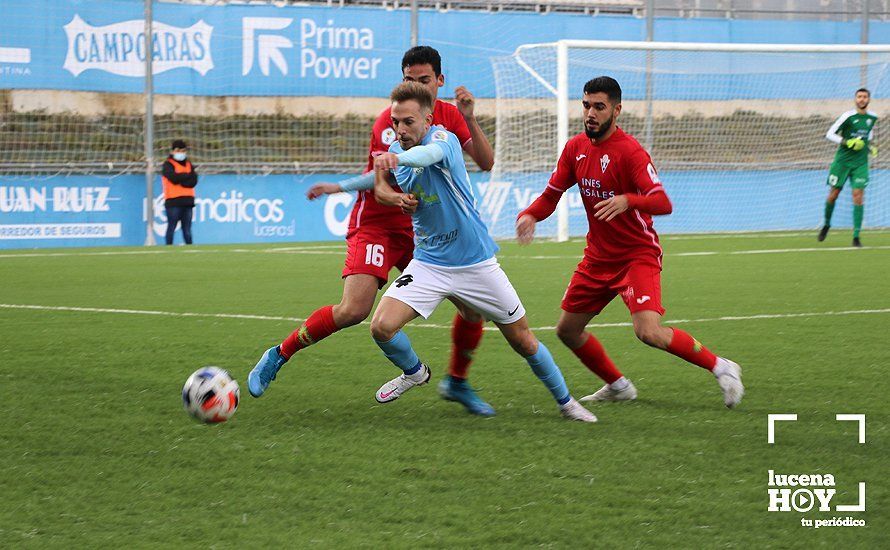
<point>666,83</point>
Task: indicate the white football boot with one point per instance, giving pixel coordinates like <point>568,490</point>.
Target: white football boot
<point>608,393</point>
<point>397,386</point>
<point>576,411</point>
<point>729,376</point>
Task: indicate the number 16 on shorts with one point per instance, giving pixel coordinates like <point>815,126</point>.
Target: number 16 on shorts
<point>374,254</point>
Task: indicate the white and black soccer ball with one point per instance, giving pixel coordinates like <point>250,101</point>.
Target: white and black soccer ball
<point>211,395</point>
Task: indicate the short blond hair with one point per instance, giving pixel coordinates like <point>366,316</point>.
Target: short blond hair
<point>413,91</point>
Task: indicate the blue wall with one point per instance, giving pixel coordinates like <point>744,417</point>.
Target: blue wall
<point>305,51</point>
<point>230,209</point>
<point>92,211</point>
<point>309,51</point>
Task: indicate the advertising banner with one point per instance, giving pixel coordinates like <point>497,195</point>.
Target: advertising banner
<point>71,211</point>
<point>265,50</point>
<point>91,211</point>
<point>202,50</point>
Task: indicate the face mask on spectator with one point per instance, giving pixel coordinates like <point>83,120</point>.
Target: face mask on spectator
<point>179,156</point>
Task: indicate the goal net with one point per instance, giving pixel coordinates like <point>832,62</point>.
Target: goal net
<point>737,131</point>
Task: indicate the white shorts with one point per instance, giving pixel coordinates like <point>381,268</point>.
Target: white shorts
<point>483,287</point>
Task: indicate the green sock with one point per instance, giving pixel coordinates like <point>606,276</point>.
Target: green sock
<point>857,219</point>
<point>829,209</point>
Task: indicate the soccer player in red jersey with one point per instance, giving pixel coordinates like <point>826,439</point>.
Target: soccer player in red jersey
<point>380,237</point>
<point>621,191</point>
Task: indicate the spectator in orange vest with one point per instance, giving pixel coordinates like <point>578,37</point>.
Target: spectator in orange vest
<point>179,178</point>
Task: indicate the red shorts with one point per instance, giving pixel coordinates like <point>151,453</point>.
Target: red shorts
<point>375,251</point>
<point>592,287</point>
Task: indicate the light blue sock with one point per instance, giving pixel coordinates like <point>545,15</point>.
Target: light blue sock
<point>399,351</point>
<point>545,369</point>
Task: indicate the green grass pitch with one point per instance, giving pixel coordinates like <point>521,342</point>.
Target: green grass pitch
<point>96,450</point>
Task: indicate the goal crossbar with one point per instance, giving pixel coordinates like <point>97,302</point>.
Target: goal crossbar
<point>710,46</point>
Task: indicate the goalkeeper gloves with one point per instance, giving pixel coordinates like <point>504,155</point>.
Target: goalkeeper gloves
<point>873,150</point>
<point>855,144</point>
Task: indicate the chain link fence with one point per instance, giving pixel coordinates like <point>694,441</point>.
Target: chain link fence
<point>45,132</point>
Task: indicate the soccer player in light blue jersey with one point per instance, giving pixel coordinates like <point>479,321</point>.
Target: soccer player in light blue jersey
<point>454,256</point>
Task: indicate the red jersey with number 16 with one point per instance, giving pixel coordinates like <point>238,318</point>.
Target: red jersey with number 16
<point>617,166</point>
<point>367,211</point>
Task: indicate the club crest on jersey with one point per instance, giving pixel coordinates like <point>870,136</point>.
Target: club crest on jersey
<point>604,162</point>
<point>653,175</point>
<point>388,136</point>
<point>869,122</point>
<point>440,135</point>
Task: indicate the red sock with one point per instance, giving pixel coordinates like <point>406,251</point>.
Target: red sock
<point>319,325</point>
<point>465,337</point>
<point>684,346</point>
<point>594,357</point>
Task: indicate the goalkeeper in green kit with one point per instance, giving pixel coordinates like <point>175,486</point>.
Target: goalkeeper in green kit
<point>853,132</point>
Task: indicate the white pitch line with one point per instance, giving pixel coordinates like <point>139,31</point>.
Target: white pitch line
<point>340,252</point>
<point>326,251</point>
<point>57,254</point>
<point>752,235</point>
<point>742,318</point>
<point>151,312</point>
<point>712,252</point>
<point>813,249</point>
<point>179,250</point>
<point>303,248</point>
<point>695,254</point>
<point>433,325</point>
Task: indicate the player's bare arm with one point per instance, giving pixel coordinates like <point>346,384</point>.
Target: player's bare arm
<point>478,148</point>
<point>525,229</point>
<point>539,210</point>
<point>321,189</point>
<point>355,183</point>
<point>383,190</point>
<point>386,161</point>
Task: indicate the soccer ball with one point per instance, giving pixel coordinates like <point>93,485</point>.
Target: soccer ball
<point>211,395</point>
